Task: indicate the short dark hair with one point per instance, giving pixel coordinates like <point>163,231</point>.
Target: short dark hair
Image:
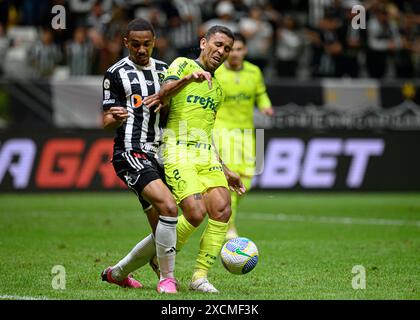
<point>240,37</point>
<point>221,29</point>
<point>139,24</point>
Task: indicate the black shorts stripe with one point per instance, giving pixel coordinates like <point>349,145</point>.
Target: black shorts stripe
<point>132,161</point>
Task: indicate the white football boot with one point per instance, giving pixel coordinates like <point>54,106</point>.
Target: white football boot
<point>203,285</point>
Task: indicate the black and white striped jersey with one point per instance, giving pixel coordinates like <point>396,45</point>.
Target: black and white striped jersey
<point>127,84</point>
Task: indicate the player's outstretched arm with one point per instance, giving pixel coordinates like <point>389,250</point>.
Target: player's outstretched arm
<point>234,180</point>
<point>171,87</point>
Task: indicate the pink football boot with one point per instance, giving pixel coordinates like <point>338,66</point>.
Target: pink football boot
<point>128,282</point>
<point>168,285</point>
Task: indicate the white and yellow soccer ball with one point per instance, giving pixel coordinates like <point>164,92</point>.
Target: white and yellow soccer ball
<point>239,255</point>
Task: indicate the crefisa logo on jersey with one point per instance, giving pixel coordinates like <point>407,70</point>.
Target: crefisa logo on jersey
<point>203,102</point>
<point>136,101</point>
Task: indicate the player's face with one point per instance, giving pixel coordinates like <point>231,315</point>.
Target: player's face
<point>237,54</point>
<point>140,46</point>
<point>215,50</point>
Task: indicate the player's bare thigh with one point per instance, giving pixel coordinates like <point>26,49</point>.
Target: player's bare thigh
<point>194,209</point>
<point>159,196</point>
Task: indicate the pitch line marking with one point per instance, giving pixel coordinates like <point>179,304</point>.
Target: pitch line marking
<point>330,219</point>
<point>12,297</point>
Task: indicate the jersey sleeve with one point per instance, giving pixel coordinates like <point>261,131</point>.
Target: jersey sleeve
<point>262,99</point>
<point>179,68</point>
<point>111,88</point>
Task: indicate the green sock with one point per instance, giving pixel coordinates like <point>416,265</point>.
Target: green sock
<point>210,245</point>
<point>184,230</point>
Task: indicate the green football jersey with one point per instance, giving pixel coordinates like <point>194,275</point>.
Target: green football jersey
<point>244,89</point>
<point>192,111</point>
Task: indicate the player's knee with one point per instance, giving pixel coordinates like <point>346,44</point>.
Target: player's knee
<point>222,212</point>
<point>169,209</point>
<point>195,216</point>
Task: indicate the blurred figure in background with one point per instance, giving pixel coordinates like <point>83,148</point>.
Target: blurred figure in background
<point>241,9</point>
<point>288,48</point>
<point>351,40</point>
<point>326,47</point>
<point>225,12</point>
<point>383,42</point>
<point>4,46</point>
<point>185,34</point>
<point>79,53</point>
<point>33,12</point>
<point>258,33</point>
<point>163,49</point>
<point>46,55</point>
<point>97,18</point>
<point>404,60</point>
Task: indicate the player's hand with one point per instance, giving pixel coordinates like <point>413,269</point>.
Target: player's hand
<point>119,113</point>
<point>234,181</point>
<point>154,100</point>
<point>200,76</point>
<point>268,112</point>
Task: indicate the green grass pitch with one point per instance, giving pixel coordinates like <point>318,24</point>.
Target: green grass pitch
<point>308,245</point>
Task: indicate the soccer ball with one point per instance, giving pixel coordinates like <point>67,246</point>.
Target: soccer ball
<point>239,255</point>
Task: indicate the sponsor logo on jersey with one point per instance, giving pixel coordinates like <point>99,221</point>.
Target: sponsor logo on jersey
<point>136,101</point>
<point>181,68</point>
<point>135,81</point>
<point>238,97</point>
<point>203,102</point>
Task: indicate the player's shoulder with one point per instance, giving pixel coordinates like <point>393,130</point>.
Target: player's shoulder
<point>180,67</point>
<point>159,64</point>
<point>124,63</point>
<point>250,67</point>
<point>183,61</point>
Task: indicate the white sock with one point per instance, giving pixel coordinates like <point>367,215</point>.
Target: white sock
<point>138,257</point>
<point>165,238</point>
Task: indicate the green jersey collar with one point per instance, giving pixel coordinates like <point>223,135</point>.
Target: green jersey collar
<point>202,67</point>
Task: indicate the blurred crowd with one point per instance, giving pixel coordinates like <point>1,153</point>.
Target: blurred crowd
<point>287,38</point>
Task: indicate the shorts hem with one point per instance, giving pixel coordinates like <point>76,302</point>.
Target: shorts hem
<point>220,186</point>
<point>189,194</point>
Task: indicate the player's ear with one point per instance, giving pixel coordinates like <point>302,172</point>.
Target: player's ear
<point>203,43</point>
<point>125,42</point>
